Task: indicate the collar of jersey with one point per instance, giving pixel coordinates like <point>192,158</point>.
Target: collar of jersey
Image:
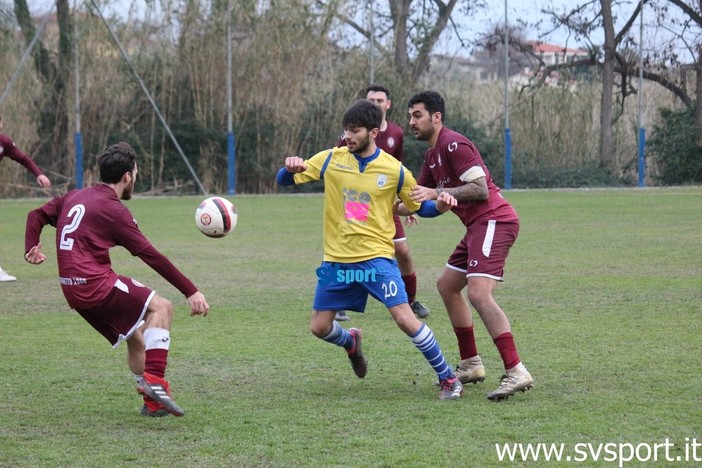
<point>363,162</point>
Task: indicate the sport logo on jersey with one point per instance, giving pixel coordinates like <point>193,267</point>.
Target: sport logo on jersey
<point>391,142</point>
<point>356,205</point>
<point>382,180</point>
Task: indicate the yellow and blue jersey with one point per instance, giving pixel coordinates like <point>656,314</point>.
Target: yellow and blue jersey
<point>358,197</point>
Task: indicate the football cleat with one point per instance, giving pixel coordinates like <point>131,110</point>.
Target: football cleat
<point>420,310</point>
<point>153,409</point>
<point>159,390</point>
<point>513,381</point>
<point>6,277</point>
<point>358,362</point>
<point>451,389</point>
<point>471,370</point>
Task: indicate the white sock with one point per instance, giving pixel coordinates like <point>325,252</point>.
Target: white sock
<point>138,377</point>
<point>157,338</point>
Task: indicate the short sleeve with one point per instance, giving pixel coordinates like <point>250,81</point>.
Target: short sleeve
<point>407,185</point>
<point>315,165</point>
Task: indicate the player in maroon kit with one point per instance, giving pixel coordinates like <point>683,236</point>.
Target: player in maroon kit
<point>390,139</point>
<point>453,164</point>
<point>89,222</point>
<point>9,149</point>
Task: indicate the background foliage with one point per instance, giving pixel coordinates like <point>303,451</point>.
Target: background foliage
<point>297,66</point>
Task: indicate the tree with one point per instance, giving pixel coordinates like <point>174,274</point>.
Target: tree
<point>416,28</point>
<point>52,152</point>
<point>607,84</point>
<point>688,28</point>
<point>683,25</point>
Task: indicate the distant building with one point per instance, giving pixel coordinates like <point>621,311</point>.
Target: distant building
<point>524,64</point>
<point>551,54</point>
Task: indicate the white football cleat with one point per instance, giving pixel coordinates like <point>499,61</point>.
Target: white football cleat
<point>6,277</point>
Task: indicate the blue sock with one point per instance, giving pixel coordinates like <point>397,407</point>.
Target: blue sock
<point>339,337</point>
<point>426,343</point>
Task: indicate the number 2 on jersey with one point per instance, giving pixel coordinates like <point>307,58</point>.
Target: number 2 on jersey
<point>77,213</point>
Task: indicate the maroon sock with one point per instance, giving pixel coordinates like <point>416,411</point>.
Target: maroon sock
<point>156,360</point>
<point>508,350</point>
<point>410,286</point>
<point>466,342</point>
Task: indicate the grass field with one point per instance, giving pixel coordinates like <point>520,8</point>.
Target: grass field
<point>603,288</point>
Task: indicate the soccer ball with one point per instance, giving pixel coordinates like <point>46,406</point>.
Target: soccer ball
<point>215,217</point>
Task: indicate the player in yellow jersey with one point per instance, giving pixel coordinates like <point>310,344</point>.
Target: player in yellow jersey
<point>361,184</point>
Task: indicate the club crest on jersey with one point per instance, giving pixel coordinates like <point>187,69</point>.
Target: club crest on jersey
<point>382,180</point>
<point>391,142</point>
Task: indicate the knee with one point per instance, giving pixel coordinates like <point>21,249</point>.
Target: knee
<point>446,287</point>
<point>440,285</point>
<point>319,328</point>
<point>407,322</point>
<point>479,298</point>
<point>162,308</point>
<point>317,331</point>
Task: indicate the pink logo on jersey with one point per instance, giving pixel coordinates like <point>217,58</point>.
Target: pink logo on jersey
<point>356,211</point>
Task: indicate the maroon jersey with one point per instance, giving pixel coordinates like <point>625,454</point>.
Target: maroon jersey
<point>453,156</point>
<point>89,222</point>
<point>390,140</point>
<point>9,149</point>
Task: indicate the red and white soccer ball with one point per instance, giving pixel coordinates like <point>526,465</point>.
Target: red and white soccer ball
<point>216,217</point>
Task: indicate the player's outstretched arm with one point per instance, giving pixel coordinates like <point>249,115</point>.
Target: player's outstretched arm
<point>428,208</point>
<point>198,304</point>
<point>43,181</point>
<point>445,201</point>
<point>295,164</point>
<point>399,209</point>
<point>421,194</point>
<point>35,255</point>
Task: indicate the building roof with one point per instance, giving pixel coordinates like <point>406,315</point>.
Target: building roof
<point>545,48</point>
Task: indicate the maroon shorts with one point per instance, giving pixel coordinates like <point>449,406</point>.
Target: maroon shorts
<point>119,316</point>
<point>399,229</point>
<point>484,249</point>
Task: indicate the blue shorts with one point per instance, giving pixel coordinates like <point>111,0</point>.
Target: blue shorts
<point>345,286</point>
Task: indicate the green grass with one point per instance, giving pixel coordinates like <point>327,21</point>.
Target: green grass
<point>603,288</point>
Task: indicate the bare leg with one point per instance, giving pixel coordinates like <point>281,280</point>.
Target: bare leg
<point>321,322</point>
<point>136,352</point>
<point>480,292</point>
<point>404,258</point>
<point>450,285</point>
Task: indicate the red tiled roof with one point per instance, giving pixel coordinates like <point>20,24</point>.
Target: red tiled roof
<point>554,49</point>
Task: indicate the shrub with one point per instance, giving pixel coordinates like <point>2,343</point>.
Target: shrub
<point>675,148</point>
